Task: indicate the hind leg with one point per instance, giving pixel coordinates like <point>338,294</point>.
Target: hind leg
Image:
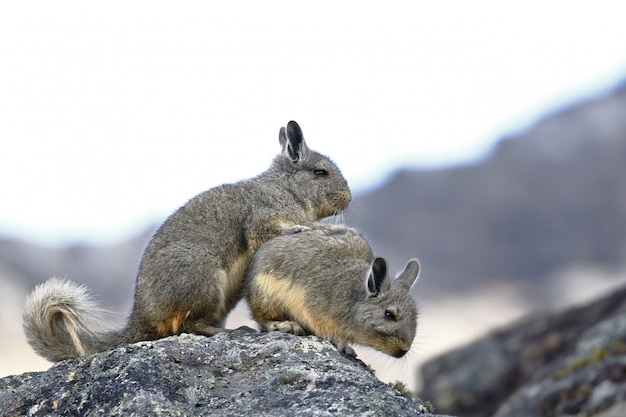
<point>205,328</point>
<point>202,327</point>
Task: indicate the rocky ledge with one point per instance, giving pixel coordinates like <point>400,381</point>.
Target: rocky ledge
<point>267,374</point>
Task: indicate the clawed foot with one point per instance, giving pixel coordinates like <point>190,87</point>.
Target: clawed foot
<point>294,328</point>
<point>286,327</point>
<point>344,348</point>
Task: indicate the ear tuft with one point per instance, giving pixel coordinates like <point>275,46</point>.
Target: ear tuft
<point>292,141</point>
<point>282,137</point>
<point>411,272</point>
<point>377,281</point>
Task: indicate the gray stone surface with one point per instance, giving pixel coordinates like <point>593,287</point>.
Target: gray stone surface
<point>569,362</point>
<point>586,382</point>
<point>232,374</point>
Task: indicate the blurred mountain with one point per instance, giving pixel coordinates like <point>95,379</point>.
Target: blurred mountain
<point>549,198</point>
<point>108,270</point>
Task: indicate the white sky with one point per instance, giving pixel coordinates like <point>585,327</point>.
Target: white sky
<point>113,114</point>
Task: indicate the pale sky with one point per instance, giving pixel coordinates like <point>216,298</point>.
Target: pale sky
<point>113,114</point>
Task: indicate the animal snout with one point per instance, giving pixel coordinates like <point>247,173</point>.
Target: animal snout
<point>400,352</point>
<point>345,196</point>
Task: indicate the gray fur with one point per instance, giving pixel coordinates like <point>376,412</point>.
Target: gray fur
<point>326,281</point>
<point>191,273</point>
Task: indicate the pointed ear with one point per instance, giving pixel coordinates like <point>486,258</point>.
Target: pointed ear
<point>377,281</point>
<point>292,141</point>
<point>408,277</point>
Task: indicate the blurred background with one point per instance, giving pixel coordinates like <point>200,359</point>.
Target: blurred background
<point>487,139</point>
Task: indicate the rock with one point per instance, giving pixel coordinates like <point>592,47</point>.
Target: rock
<point>229,374</point>
<point>590,380</point>
<point>568,362</point>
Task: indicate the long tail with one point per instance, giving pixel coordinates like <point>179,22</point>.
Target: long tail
<point>59,321</point>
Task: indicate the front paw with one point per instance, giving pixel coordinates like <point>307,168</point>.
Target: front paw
<point>295,229</point>
<point>344,348</point>
<point>285,327</point>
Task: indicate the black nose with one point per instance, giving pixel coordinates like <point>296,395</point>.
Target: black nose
<point>400,353</point>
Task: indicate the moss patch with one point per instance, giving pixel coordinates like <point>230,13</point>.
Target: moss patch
<point>597,356</point>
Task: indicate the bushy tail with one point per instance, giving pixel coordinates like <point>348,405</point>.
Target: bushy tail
<point>59,321</point>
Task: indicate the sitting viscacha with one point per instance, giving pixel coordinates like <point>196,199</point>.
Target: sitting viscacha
<point>191,273</point>
<point>326,281</point>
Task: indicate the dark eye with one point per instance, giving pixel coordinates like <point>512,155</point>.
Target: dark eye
<point>390,315</point>
<point>320,172</point>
